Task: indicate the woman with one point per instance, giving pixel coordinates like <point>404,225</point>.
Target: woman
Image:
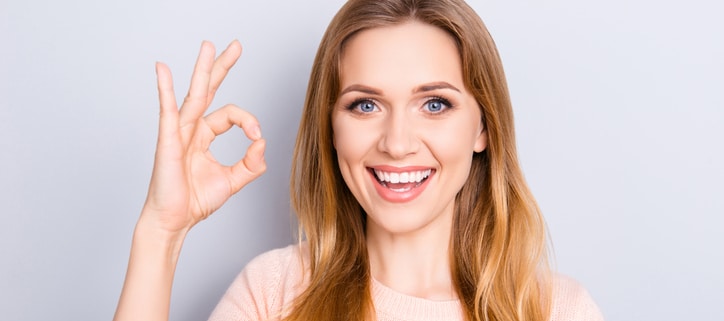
<point>405,181</point>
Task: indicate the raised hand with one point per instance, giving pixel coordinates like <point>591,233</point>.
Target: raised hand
<point>188,183</point>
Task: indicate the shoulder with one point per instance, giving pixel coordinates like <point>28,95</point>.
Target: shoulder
<point>263,289</point>
<point>571,301</point>
<point>274,263</point>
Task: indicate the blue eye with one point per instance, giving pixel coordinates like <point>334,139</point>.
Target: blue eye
<point>363,106</point>
<point>367,107</point>
<point>437,105</point>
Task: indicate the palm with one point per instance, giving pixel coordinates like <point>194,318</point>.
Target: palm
<point>211,183</point>
<point>188,184</point>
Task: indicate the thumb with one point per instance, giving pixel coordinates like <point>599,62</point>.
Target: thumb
<point>250,167</point>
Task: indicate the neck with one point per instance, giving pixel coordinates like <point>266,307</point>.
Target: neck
<point>415,263</point>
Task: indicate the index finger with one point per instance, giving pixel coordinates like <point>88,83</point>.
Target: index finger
<point>221,120</point>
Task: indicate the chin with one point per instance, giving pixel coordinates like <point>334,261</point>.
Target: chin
<point>407,222</point>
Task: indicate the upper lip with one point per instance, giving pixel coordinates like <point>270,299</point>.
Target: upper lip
<point>399,169</point>
<point>407,174</point>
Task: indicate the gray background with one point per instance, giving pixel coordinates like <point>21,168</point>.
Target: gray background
<point>619,111</point>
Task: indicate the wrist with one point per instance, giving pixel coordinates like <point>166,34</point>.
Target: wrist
<point>152,235</point>
<point>154,254</point>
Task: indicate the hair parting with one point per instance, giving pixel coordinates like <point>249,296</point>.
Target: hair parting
<point>498,243</point>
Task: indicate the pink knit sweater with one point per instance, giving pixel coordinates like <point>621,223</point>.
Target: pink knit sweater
<point>270,282</point>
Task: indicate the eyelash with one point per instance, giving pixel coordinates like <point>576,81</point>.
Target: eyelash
<point>442,100</point>
<point>354,106</point>
<point>357,102</point>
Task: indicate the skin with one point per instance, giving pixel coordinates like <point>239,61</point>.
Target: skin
<point>187,183</point>
<point>407,237</point>
<point>404,108</point>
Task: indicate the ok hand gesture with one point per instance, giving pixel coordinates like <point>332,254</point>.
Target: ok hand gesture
<point>188,183</point>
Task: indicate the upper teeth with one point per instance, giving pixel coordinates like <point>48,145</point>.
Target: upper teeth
<point>402,177</point>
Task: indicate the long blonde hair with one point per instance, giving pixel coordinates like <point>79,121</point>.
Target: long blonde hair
<point>498,244</point>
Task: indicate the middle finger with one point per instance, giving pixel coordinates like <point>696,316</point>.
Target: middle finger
<point>221,67</point>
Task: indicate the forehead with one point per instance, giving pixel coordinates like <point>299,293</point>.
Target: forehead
<point>410,53</point>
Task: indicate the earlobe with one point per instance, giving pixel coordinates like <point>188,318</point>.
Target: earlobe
<point>481,142</point>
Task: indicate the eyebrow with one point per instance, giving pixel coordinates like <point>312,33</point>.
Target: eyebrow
<point>362,89</point>
<point>435,86</point>
<point>422,88</point>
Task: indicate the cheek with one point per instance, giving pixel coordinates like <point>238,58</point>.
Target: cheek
<point>350,140</point>
<point>455,139</point>
<point>451,151</point>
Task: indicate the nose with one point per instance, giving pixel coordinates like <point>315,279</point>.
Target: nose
<point>398,137</point>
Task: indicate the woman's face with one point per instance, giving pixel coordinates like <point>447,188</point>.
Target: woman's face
<point>405,127</point>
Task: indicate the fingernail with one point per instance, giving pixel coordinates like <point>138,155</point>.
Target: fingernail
<point>256,132</point>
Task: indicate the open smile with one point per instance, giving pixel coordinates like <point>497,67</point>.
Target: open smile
<point>400,185</point>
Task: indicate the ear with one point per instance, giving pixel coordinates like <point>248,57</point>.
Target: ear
<point>481,142</point>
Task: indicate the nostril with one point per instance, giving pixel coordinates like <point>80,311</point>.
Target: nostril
<point>399,143</point>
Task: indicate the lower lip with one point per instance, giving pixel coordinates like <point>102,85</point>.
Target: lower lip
<point>407,195</point>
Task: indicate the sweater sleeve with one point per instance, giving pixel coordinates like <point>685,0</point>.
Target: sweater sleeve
<point>261,290</point>
<point>572,302</point>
